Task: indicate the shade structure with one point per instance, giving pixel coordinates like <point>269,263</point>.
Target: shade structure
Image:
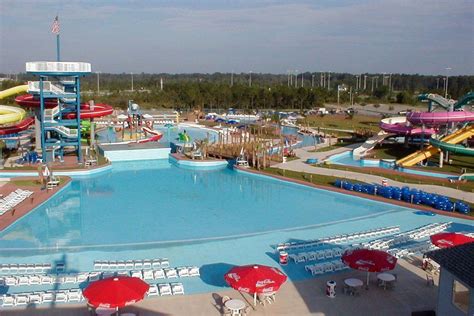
<point>255,278</point>
<point>369,260</point>
<point>446,240</point>
<point>116,292</point>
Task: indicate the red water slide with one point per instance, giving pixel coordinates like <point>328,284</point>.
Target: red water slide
<point>99,110</point>
<point>21,126</point>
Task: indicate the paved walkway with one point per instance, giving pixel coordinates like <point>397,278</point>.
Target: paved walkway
<point>301,166</point>
<point>294,298</point>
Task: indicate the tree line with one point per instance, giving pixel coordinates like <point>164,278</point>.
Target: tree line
<point>257,91</point>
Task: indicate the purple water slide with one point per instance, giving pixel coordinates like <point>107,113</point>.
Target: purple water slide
<point>439,118</point>
<point>400,126</point>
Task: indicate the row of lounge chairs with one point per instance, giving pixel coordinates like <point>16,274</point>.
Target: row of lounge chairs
<point>13,199</point>
<point>163,289</point>
<point>74,278</point>
<point>413,249</point>
<point>339,239</point>
<point>101,265</point>
<point>320,254</point>
<point>415,234</point>
<point>41,297</point>
<point>325,267</point>
<point>23,268</point>
<point>75,295</point>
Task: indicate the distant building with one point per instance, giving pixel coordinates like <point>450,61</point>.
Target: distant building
<point>456,280</point>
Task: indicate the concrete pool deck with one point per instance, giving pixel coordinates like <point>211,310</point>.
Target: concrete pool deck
<point>299,165</point>
<point>411,293</point>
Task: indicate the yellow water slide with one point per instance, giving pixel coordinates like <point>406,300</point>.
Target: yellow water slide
<point>12,91</point>
<point>420,155</point>
<point>11,114</point>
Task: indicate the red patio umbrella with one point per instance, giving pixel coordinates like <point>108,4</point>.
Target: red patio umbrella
<point>446,240</point>
<point>116,292</point>
<point>255,279</point>
<point>369,260</point>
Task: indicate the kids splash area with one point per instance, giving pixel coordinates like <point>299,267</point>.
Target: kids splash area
<point>143,205</point>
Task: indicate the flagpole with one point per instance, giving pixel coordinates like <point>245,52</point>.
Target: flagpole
<point>58,55</point>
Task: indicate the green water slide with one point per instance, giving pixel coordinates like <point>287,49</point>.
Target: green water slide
<point>452,148</point>
<point>464,100</point>
<point>433,98</point>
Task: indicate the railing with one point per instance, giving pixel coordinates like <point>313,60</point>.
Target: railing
<point>47,66</point>
<point>47,86</point>
<point>49,114</point>
<point>69,132</point>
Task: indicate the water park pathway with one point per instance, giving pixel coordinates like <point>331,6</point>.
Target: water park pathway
<point>300,166</point>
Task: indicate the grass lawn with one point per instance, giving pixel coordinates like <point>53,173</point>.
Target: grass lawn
<point>405,177</point>
<point>398,151</point>
<point>335,146</point>
<point>313,178</point>
<point>26,183</point>
<point>340,121</point>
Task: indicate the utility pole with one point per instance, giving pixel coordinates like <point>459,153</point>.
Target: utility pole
<point>447,78</point>
<point>98,84</point>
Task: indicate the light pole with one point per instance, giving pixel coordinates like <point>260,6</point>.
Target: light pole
<point>98,82</point>
<point>447,79</point>
<point>131,74</point>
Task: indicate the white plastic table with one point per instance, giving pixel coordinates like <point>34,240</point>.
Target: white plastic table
<point>235,306</point>
<point>385,277</point>
<point>353,282</point>
<point>105,311</point>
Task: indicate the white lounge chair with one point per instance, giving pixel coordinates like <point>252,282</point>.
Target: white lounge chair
<point>61,297</point>
<point>193,271</point>
<point>23,280</point>
<point>159,274</point>
<point>171,273</point>
<point>146,264</point>
<point>165,263</point>
<point>137,274</point>
<point>21,299</point>
<point>34,280</point>
<point>165,289</point>
<point>148,275</point>
<point>129,265</point>
<point>74,295</point>
<point>94,276</point>
<point>47,297</point>
<point>177,288</point>
<point>70,278</point>
<point>11,281</point>
<point>153,290</point>
<point>8,300</point>
<point>34,298</point>
<point>46,279</point>
<point>182,272</point>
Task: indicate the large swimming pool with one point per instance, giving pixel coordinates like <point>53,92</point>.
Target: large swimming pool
<point>212,219</point>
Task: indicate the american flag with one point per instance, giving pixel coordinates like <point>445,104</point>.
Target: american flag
<point>55,26</point>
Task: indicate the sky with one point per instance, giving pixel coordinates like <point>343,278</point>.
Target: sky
<point>268,36</point>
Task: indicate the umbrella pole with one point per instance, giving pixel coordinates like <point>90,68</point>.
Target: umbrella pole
<point>367,286</point>
<point>255,299</point>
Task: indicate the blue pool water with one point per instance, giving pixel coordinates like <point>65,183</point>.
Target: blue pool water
<point>346,159</point>
<point>212,219</point>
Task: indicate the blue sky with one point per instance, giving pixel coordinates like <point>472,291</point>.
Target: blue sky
<point>397,36</point>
